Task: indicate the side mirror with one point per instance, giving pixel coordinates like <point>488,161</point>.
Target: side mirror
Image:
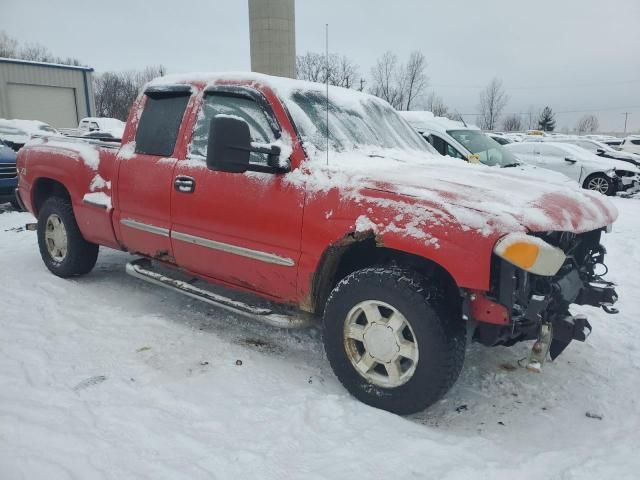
<point>229,148</point>
<point>229,145</point>
<point>600,151</point>
<point>570,160</point>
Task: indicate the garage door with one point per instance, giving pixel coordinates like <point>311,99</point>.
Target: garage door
<point>53,105</point>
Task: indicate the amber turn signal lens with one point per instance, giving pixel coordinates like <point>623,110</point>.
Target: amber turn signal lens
<point>523,255</point>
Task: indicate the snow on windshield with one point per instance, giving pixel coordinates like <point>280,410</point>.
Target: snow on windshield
<point>367,122</point>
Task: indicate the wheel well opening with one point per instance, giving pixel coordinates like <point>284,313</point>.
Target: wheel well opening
<point>46,188</point>
<point>344,258</point>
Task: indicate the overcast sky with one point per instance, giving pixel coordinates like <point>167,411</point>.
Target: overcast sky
<point>571,55</point>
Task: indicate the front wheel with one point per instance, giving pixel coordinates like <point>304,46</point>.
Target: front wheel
<point>600,183</point>
<point>63,249</point>
<point>393,343</point>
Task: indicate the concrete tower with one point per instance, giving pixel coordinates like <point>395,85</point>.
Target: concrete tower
<point>272,26</point>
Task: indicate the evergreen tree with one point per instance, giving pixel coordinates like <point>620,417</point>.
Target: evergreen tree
<point>547,122</point>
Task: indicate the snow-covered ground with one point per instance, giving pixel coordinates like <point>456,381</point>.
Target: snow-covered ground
<point>107,377</point>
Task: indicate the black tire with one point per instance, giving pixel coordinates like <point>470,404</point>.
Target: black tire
<point>438,330</point>
<point>80,255</point>
<point>600,179</point>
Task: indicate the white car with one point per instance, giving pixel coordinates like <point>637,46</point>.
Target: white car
<point>459,140</point>
<point>590,171</point>
<point>601,149</point>
<point>101,127</point>
<point>15,133</point>
<point>631,144</point>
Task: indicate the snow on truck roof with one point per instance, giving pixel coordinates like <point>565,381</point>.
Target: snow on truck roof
<point>281,85</point>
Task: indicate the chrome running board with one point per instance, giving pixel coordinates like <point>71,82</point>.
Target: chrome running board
<point>143,269</point>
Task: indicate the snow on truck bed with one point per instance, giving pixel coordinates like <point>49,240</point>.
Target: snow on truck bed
<point>107,377</point>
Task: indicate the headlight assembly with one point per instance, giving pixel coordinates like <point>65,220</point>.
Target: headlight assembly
<point>530,253</point>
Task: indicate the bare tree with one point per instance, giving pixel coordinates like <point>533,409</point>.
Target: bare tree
<point>588,124</point>
<point>413,78</point>
<point>116,91</point>
<point>492,101</point>
<point>384,77</point>
<point>8,46</point>
<point>35,52</point>
<point>512,123</point>
<point>400,85</point>
<point>314,67</point>
<point>435,105</point>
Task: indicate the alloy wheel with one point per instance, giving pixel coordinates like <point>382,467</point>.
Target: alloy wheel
<point>56,238</point>
<point>598,184</point>
<point>380,343</point>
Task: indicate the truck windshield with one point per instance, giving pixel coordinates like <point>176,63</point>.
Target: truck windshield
<point>485,148</point>
<point>356,122</point>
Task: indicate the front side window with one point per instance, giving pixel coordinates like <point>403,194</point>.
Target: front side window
<point>635,142</point>
<point>443,147</point>
<point>159,123</point>
<point>238,106</point>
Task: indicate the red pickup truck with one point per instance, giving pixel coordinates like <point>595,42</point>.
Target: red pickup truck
<point>234,189</point>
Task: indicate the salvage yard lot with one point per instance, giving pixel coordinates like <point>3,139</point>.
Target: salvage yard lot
<point>106,377</point>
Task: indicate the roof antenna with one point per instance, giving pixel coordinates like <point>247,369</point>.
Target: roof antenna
<point>327,82</point>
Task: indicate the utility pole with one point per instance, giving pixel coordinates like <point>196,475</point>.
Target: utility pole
<point>626,115</point>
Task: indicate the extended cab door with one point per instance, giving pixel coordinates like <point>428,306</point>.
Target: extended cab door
<point>145,175</point>
<point>241,229</point>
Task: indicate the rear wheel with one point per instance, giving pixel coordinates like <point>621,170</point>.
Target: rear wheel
<point>600,183</point>
<point>392,343</point>
<point>63,249</point>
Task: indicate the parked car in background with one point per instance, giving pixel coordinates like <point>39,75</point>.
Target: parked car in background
<point>596,147</point>
<point>15,133</point>
<point>459,140</point>
<point>613,142</point>
<point>515,136</point>
<point>499,137</point>
<point>101,127</point>
<point>590,171</point>
<point>8,175</point>
<point>631,144</point>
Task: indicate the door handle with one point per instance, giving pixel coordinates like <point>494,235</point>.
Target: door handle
<point>184,184</point>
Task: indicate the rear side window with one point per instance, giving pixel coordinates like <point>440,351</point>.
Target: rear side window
<point>635,142</point>
<point>159,124</point>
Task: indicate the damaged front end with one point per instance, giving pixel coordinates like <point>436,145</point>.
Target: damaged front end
<point>530,298</point>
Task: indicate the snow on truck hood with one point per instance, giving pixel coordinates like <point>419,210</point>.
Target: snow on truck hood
<point>490,200</point>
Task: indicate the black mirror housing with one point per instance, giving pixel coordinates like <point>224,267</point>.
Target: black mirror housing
<point>229,145</point>
<point>229,148</point>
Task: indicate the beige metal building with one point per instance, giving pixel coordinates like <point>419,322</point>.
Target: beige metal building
<point>272,28</point>
<point>59,95</point>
